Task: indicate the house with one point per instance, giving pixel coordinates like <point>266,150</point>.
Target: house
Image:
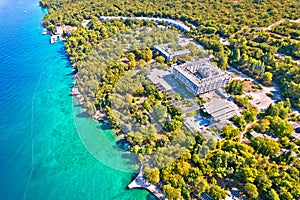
<point>69,29</point>
<point>58,30</point>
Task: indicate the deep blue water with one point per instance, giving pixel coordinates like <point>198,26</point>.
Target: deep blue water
<point>46,150</point>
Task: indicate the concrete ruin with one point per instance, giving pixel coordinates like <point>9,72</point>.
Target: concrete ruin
<point>200,76</point>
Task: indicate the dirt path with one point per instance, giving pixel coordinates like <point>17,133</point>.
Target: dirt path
<point>269,28</point>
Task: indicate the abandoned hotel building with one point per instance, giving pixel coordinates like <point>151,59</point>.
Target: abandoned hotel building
<point>200,76</point>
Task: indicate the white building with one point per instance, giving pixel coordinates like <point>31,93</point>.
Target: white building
<point>168,53</point>
<point>201,76</point>
<point>220,109</point>
<point>58,30</point>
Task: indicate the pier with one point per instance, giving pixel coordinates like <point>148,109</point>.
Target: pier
<point>54,38</point>
<point>141,182</point>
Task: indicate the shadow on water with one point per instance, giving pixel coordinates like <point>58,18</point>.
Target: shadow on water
<point>134,175</point>
<point>76,106</point>
<point>72,73</point>
<point>103,126</point>
<point>121,195</point>
<point>64,56</point>
<point>131,158</point>
<point>150,197</point>
<point>122,144</point>
<point>83,115</point>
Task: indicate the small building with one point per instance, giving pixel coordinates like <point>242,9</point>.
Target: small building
<point>220,109</point>
<point>201,76</point>
<point>58,30</point>
<point>168,53</point>
<point>69,29</point>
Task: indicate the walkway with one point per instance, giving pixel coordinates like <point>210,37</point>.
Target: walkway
<point>177,24</point>
<point>194,107</point>
<point>282,56</point>
<point>141,182</point>
<point>269,28</point>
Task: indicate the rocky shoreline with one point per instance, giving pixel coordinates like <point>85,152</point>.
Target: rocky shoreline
<point>99,115</point>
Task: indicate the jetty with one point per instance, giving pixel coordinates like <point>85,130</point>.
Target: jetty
<point>75,93</point>
<point>54,38</point>
<point>99,116</point>
<point>141,182</point>
<point>45,31</point>
<point>60,31</point>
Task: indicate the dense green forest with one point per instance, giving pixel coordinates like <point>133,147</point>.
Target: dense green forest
<point>258,54</point>
<point>111,64</point>
<point>224,13</point>
<point>212,19</point>
<point>288,29</point>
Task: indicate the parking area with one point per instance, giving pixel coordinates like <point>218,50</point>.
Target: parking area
<point>158,76</point>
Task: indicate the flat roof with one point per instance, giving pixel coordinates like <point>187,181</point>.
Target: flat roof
<point>220,109</point>
<point>157,76</point>
<point>164,49</point>
<point>187,74</point>
<point>185,70</point>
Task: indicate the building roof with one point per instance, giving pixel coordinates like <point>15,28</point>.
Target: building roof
<point>203,67</point>
<point>68,28</point>
<point>187,74</point>
<point>220,109</point>
<point>167,51</point>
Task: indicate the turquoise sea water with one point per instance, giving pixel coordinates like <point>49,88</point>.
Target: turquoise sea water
<point>47,149</point>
